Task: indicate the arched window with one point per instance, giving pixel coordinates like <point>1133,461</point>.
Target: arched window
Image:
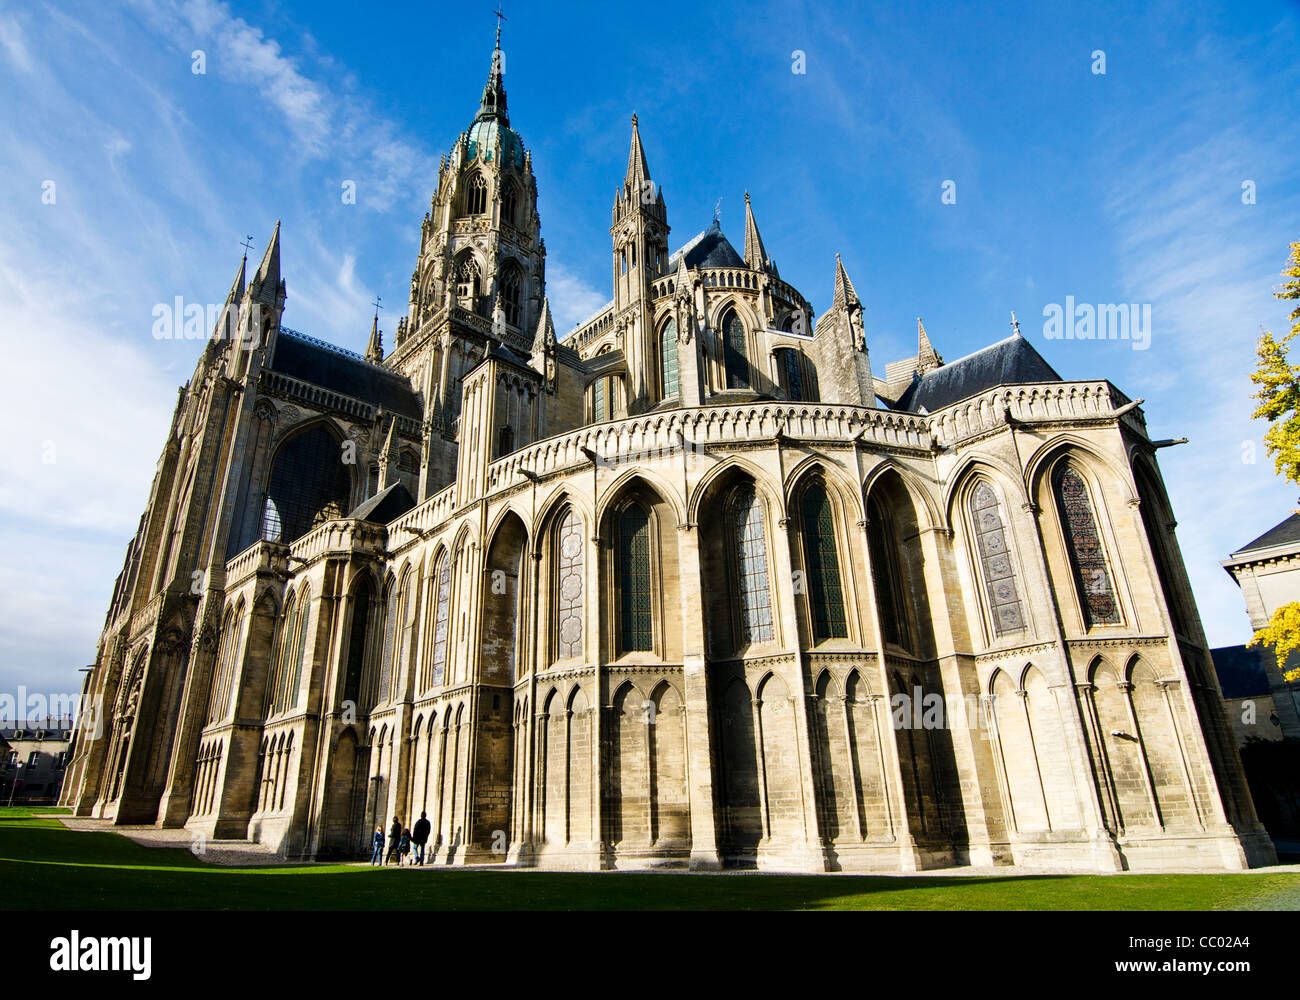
<point>309,484</point>
<point>748,541</point>
<point>467,282</point>
<point>1087,557</point>
<point>887,574</point>
<point>995,561</point>
<point>632,552</point>
<point>386,671</point>
<point>288,661</point>
<point>441,612</point>
<point>509,204</point>
<point>790,374</point>
<point>476,196</point>
<point>569,585</point>
<point>509,297</point>
<point>822,563</point>
<point>668,359</point>
<point>735,359</point>
<point>404,642</point>
<point>357,643</point>
<point>227,651</point>
<point>603,399</point>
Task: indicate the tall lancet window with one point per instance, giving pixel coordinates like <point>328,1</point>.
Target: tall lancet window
<point>746,534</point>
<point>442,607</point>
<point>476,196</point>
<point>632,552</point>
<point>825,593</point>
<point>995,561</point>
<point>668,359</point>
<point>569,584</point>
<point>791,376</point>
<point>1087,557</point>
<point>509,204</point>
<point>734,357</point>
<point>387,650</point>
<point>510,296</point>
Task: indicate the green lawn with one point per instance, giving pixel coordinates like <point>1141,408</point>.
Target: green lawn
<point>43,865</point>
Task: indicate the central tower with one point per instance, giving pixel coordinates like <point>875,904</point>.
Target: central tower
<point>479,277</point>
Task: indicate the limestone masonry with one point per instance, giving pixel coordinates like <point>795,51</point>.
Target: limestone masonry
<point>692,586</point>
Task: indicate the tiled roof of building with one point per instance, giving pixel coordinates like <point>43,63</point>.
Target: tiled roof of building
<point>708,249</point>
<point>330,367</point>
<point>1280,534</point>
<point>1012,361</point>
<point>1241,671</point>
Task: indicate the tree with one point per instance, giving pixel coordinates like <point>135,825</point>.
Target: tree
<point>1279,403</point>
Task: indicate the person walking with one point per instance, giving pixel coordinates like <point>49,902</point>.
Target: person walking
<point>394,840</point>
<point>377,855</point>
<point>420,837</point>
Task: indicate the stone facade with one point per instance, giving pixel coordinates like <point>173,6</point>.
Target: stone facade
<point>690,586</point>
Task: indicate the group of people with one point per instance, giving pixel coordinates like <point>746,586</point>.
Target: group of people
<point>402,843</point>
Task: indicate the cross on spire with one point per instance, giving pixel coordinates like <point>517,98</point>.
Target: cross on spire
<point>1015,323</point>
<point>247,245</point>
<point>376,304</point>
<point>500,17</point>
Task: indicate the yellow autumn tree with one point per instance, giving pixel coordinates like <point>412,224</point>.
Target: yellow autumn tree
<point>1279,403</point>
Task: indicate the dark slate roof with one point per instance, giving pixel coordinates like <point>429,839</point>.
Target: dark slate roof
<point>709,249</point>
<point>330,367</point>
<point>1008,362</point>
<point>1279,534</point>
<point>387,505</point>
<point>1241,671</point>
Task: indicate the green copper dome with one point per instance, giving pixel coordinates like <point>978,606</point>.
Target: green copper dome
<point>486,135</point>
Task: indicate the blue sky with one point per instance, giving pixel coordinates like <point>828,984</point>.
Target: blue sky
<point>1122,187</point>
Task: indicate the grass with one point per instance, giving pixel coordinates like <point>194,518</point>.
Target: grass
<point>43,865</point>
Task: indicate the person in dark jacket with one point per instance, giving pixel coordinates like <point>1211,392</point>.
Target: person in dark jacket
<point>377,856</point>
<point>394,840</point>
<point>403,847</point>
<point>420,837</point>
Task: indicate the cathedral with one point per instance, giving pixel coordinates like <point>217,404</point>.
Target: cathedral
<point>692,586</point>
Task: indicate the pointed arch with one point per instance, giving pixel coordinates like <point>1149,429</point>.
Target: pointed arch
<point>308,483</point>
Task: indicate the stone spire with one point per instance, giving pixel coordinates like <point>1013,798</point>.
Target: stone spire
<point>493,102</point>
<point>927,358</point>
<point>545,339</point>
<point>845,294</point>
<point>638,170</point>
<point>755,253</point>
<point>268,272</point>
<point>375,347</point>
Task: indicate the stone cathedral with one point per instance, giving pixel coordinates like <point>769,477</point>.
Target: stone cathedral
<point>693,585</point>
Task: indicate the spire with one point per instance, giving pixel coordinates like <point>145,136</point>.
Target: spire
<point>637,168</point>
<point>755,252</point>
<point>545,339</point>
<point>927,358</point>
<point>237,286</point>
<point>375,347</point>
<point>493,102</point>
<point>845,294</point>
<point>269,269</point>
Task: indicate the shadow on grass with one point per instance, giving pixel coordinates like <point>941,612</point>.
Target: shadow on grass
<point>44,865</point>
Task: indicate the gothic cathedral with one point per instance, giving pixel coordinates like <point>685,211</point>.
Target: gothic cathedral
<point>692,586</point>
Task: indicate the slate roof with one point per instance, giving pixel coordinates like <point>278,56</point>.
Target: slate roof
<point>387,505</point>
<point>1241,671</point>
<point>708,249</point>
<point>1013,361</point>
<point>1280,534</point>
<point>330,367</point>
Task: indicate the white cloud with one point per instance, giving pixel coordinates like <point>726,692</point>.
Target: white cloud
<point>572,298</point>
<point>14,45</point>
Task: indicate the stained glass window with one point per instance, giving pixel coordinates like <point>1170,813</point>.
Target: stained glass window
<point>823,566</point>
<point>386,654</point>
<point>995,561</point>
<point>668,359</point>
<point>747,533</point>
<point>1087,557</point>
<point>601,401</point>
<point>569,585</point>
<point>790,374</point>
<point>734,357</point>
<point>442,576</point>
<point>633,551</point>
